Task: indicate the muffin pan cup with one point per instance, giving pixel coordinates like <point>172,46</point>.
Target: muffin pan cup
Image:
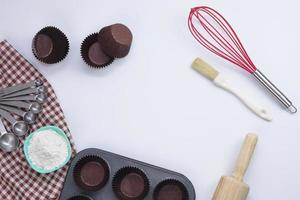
<point>126,179</point>
<point>86,176</point>
<point>115,163</point>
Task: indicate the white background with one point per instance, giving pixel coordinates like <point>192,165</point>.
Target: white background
<point>153,107</point>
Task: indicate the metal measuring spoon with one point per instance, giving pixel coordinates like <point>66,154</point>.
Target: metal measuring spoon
<point>19,128</point>
<point>28,117</point>
<point>34,106</point>
<point>8,141</point>
<point>15,88</point>
<point>21,86</point>
<point>38,90</point>
<point>40,98</point>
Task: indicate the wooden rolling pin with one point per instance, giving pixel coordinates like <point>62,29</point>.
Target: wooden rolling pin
<point>233,187</point>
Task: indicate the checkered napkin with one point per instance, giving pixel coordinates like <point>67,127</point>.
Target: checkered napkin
<point>17,180</point>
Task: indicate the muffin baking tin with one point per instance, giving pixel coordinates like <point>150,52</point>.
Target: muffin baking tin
<point>95,174</point>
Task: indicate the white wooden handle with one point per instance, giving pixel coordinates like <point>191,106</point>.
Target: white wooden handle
<point>254,107</point>
<point>244,158</point>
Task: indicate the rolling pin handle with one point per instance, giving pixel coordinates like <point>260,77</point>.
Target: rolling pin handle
<point>244,158</point>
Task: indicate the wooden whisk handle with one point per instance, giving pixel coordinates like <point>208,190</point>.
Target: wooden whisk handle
<point>245,155</point>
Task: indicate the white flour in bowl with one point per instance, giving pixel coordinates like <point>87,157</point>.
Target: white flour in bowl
<point>47,149</point>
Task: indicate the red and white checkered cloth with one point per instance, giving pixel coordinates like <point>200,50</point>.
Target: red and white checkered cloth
<point>17,180</point>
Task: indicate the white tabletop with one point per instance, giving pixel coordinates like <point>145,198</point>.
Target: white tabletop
<point>153,107</point>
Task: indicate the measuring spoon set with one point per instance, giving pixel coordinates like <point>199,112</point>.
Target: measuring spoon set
<point>22,100</point>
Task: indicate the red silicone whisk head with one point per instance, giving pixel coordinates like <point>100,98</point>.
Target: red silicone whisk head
<point>212,31</point>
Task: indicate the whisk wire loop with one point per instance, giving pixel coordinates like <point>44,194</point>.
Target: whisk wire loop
<point>228,45</point>
<point>214,34</point>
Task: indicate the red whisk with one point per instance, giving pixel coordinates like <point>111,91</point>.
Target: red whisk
<point>224,42</point>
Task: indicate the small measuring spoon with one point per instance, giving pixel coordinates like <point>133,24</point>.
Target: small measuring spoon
<point>40,98</point>
<point>37,90</point>
<point>19,128</point>
<point>8,141</point>
<point>19,87</point>
<point>34,106</point>
<point>28,117</point>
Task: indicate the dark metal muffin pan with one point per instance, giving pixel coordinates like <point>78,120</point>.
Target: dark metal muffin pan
<point>116,162</point>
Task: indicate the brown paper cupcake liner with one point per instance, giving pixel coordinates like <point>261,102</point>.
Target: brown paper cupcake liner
<point>170,189</point>
<point>115,40</point>
<point>50,45</point>
<point>130,183</point>
<point>91,173</point>
<point>92,53</point>
<point>80,197</point>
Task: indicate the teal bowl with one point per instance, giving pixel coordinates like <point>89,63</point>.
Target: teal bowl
<point>27,143</point>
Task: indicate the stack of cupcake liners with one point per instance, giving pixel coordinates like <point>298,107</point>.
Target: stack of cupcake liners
<point>99,50</point>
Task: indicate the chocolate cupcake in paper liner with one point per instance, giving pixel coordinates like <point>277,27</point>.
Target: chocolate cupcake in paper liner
<point>92,53</point>
<point>170,189</point>
<point>50,45</point>
<point>91,173</point>
<point>115,40</point>
<point>130,183</point>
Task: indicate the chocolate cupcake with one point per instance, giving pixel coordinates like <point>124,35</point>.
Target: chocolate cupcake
<point>91,173</point>
<point>50,45</point>
<point>92,53</point>
<point>80,197</point>
<point>130,183</point>
<point>170,190</point>
<point>115,40</point>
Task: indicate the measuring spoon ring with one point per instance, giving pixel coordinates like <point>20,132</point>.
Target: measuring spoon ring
<point>19,128</point>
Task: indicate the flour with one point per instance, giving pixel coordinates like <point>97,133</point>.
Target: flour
<point>47,149</point>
